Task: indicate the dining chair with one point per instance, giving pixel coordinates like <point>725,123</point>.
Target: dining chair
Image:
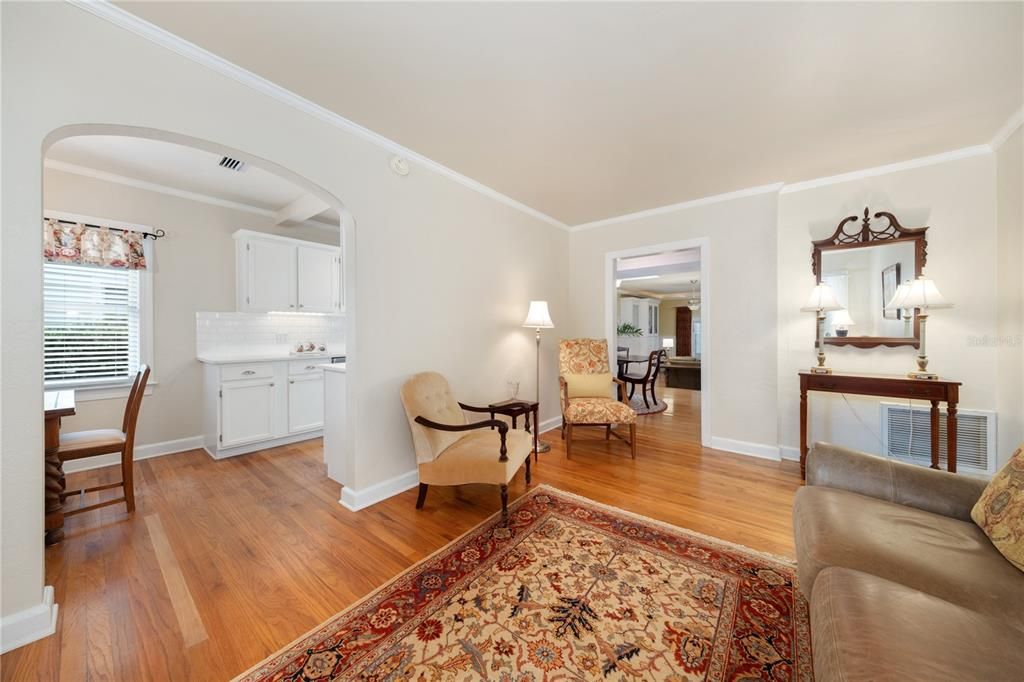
<point>83,444</point>
<point>647,380</point>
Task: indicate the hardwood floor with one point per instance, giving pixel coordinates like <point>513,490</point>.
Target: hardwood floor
<point>224,562</point>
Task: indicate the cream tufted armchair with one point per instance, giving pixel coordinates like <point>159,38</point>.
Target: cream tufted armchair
<point>451,451</point>
<point>586,381</point>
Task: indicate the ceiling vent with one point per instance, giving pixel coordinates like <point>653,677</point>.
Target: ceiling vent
<point>231,164</point>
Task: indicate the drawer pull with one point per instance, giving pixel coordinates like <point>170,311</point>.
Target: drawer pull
<point>310,366</point>
<point>249,372</point>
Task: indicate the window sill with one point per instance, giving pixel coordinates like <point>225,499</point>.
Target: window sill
<point>106,391</point>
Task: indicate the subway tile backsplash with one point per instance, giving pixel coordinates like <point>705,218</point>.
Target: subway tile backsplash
<point>257,332</point>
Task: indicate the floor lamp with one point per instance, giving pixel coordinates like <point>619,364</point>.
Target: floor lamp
<point>539,318</point>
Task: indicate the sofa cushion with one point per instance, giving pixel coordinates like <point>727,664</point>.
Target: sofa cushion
<point>598,411</point>
<point>474,459</point>
<point>867,628</point>
<point>945,557</point>
<point>1000,510</point>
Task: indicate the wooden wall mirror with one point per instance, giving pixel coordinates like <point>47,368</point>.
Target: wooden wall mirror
<point>864,264</point>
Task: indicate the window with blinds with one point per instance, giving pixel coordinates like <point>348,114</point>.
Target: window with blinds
<point>91,324</point>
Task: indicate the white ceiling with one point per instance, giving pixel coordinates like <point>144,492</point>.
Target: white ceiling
<point>659,274</point>
<point>183,168</point>
<point>590,110</point>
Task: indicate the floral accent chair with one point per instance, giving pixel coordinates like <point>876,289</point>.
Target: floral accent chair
<point>586,381</point>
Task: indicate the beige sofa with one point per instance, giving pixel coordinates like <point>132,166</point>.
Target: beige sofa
<point>902,584</point>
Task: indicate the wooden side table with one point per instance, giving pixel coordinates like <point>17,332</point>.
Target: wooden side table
<point>520,408</point>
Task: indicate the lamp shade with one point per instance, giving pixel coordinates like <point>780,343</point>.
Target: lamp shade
<point>897,298</point>
<point>538,316</point>
<point>668,343</point>
<point>841,318</point>
<point>922,293</point>
<point>822,299</point>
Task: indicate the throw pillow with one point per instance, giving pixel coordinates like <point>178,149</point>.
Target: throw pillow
<point>589,385</point>
<point>1000,510</point>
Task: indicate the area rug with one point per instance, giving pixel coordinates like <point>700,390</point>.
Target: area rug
<point>637,403</point>
<point>568,590</point>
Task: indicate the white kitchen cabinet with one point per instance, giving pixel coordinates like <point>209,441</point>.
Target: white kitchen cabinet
<point>246,412</point>
<point>318,274</point>
<point>250,406</point>
<point>306,402</point>
<point>281,274</point>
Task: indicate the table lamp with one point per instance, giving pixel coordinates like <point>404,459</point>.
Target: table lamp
<point>668,344</point>
<point>822,300</point>
<point>923,295</point>
<point>539,318</point>
<point>841,322</point>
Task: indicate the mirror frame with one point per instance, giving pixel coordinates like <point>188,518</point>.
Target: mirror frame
<point>862,237</point>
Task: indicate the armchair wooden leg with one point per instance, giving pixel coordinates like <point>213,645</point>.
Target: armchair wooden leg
<point>504,504</point>
<point>632,439</point>
<point>607,431</point>
<point>527,470</point>
<point>568,440</point>
<point>422,496</point>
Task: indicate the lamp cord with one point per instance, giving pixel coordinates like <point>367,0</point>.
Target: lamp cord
<point>910,441</point>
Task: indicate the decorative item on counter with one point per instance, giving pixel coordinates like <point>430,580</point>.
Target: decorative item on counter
<point>822,300</point>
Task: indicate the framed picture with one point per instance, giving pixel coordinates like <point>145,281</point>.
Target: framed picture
<point>890,280</point>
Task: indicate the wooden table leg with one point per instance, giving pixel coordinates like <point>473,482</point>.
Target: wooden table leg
<point>803,431</point>
<point>935,434</point>
<point>951,437</point>
<point>54,472</point>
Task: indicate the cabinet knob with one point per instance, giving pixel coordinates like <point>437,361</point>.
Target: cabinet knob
<point>302,305</point>
<point>291,381</point>
<point>291,305</point>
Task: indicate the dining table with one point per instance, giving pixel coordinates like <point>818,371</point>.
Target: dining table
<point>56,404</point>
<point>624,361</point>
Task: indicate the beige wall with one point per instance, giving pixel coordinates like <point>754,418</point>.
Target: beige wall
<point>1010,278</point>
<point>957,200</point>
<point>743,309</point>
<point>440,274</point>
<point>193,270</point>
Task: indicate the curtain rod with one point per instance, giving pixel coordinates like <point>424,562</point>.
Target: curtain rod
<point>145,235</point>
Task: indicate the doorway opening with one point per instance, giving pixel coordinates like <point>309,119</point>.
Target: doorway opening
<point>237,266</point>
<point>657,317</point>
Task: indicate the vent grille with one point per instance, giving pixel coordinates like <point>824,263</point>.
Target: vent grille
<point>231,164</point>
<point>907,432</point>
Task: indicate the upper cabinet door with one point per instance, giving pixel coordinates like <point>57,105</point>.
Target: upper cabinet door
<point>319,291</point>
<point>271,276</point>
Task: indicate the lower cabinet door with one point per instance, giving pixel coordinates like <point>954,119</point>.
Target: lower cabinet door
<point>246,412</point>
<point>305,403</point>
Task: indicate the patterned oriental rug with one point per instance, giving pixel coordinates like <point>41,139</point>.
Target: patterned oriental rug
<point>569,590</point>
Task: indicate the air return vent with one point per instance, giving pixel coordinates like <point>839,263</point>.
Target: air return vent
<point>907,433</point>
<point>231,164</point>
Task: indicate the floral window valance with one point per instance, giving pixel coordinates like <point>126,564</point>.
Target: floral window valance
<point>81,244</point>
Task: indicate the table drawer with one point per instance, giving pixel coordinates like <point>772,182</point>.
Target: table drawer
<point>310,366</point>
<point>879,386</point>
<point>256,370</point>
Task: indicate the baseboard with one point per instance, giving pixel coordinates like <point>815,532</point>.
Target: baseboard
<point>167,447</point>
<point>224,453</point>
<point>23,627</point>
<point>742,447</point>
<point>548,424</point>
<point>355,500</point>
<point>790,453</point>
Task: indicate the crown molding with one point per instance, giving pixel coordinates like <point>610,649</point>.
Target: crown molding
<point>920,162</point>
<point>1009,128</point>
<point>128,21</point>
<point>714,199</point>
<point>97,174</point>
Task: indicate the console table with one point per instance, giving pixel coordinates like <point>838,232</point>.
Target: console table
<point>888,386</point>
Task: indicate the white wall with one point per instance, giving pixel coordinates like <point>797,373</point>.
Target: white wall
<point>957,200</point>
<point>442,273</point>
<point>1010,275</point>
<point>193,270</point>
<point>742,236</point>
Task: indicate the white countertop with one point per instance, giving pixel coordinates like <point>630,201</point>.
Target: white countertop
<point>243,356</point>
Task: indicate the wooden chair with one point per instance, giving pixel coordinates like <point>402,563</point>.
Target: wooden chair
<point>648,379</point>
<point>586,381</point>
<point>451,451</point>
<point>82,444</point>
